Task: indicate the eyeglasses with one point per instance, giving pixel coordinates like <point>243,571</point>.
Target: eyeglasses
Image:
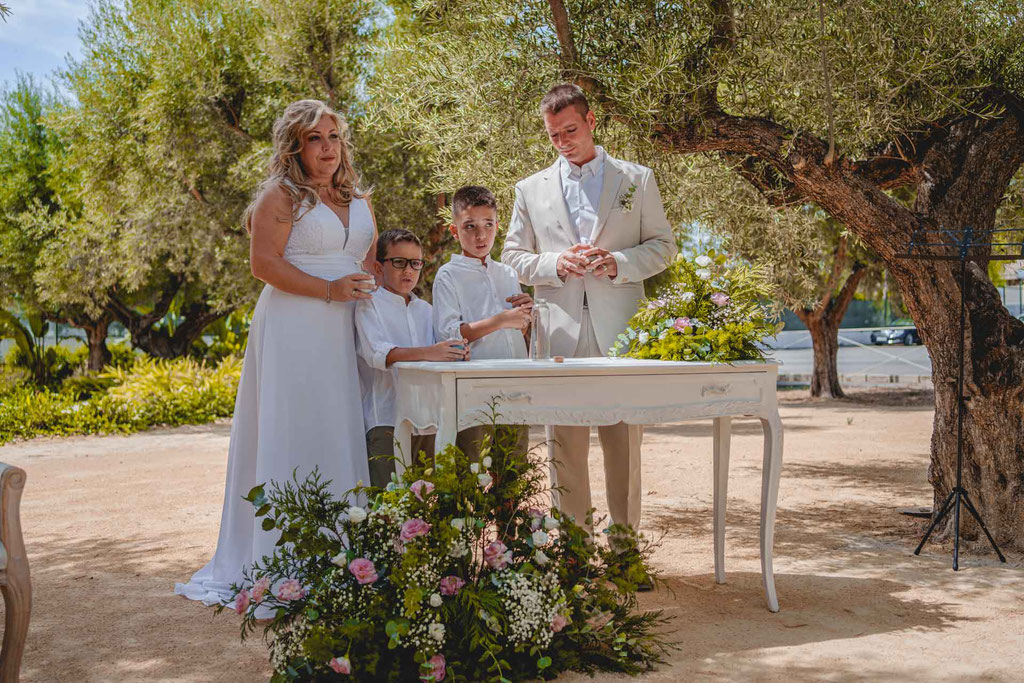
<point>401,263</point>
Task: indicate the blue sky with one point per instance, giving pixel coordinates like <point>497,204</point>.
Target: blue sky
<point>38,35</point>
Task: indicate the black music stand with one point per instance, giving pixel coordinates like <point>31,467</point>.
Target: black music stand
<point>956,245</point>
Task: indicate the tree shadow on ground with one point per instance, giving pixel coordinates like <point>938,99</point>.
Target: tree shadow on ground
<point>899,399</point>
<point>89,592</point>
<point>718,620</point>
<point>875,535</point>
<point>741,426</point>
<point>900,479</point>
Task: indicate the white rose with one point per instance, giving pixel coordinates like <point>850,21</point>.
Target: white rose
<point>435,600</point>
<point>474,467</point>
<point>341,559</point>
<point>704,274</point>
<point>550,523</point>
<point>487,461</point>
<point>540,537</point>
<point>484,479</point>
<point>436,631</point>
<point>458,523</point>
<point>703,261</point>
<point>643,337</point>
<point>540,558</point>
<point>356,515</point>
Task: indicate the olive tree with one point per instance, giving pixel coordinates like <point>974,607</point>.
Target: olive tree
<point>839,106</point>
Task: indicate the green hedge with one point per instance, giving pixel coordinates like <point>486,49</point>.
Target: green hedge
<point>151,392</point>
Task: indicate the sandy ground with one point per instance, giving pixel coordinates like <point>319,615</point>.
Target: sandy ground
<point>112,522</point>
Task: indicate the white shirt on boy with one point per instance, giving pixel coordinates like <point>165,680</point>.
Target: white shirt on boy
<point>467,291</point>
<point>383,323</point>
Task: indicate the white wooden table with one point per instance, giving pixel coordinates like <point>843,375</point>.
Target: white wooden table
<point>603,391</point>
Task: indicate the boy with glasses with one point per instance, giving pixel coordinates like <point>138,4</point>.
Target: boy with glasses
<point>395,325</point>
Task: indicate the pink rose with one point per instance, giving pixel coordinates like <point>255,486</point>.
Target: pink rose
<point>242,601</point>
<point>437,667</point>
<point>363,570</point>
<point>413,528</point>
<point>421,488</point>
<point>450,585</point>
<point>495,555</point>
<point>682,323</point>
<point>559,622</point>
<point>290,589</point>
<point>259,589</point>
<point>340,665</point>
<point>720,299</point>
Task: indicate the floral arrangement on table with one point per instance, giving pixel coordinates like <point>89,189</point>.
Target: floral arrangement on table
<point>453,572</point>
<point>705,310</point>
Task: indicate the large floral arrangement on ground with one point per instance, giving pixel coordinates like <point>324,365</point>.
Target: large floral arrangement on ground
<point>705,310</point>
<point>453,572</point>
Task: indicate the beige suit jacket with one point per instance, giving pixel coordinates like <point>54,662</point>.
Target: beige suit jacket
<point>631,224</point>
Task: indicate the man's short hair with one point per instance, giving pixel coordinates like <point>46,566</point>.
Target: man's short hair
<point>562,96</point>
<point>468,196</point>
<point>389,237</point>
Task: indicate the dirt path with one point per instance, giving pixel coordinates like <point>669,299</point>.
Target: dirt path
<point>112,522</point>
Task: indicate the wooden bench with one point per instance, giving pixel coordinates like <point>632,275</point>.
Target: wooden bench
<point>14,577</point>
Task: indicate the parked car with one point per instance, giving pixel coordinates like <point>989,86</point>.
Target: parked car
<point>902,332</point>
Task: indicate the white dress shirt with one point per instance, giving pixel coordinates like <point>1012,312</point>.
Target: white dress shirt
<point>383,323</point>
<point>467,291</point>
<point>581,187</point>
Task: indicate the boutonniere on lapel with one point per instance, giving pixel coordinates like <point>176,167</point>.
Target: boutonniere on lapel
<point>626,199</point>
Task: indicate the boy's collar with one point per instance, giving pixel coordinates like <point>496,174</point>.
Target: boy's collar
<point>470,260</point>
<point>387,293</point>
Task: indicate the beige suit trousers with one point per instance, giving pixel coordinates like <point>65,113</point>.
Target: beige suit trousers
<point>569,447</point>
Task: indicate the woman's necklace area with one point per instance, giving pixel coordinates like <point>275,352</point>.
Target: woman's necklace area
<point>327,198</point>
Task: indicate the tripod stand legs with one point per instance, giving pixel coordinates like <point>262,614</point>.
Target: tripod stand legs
<point>974,512</point>
<point>955,497</point>
<point>935,522</point>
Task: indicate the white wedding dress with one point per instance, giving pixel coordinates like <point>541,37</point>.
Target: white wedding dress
<point>298,404</point>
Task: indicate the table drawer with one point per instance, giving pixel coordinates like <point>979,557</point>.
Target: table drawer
<point>598,399</point>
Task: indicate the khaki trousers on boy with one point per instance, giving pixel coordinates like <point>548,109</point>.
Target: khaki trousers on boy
<point>469,439</point>
<point>569,447</point>
<point>381,441</point>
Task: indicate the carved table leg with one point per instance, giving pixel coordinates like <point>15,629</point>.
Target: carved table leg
<point>723,427</point>
<point>771,470</point>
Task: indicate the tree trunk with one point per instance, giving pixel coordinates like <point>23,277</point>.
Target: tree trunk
<point>823,325</point>
<point>95,328</point>
<point>96,337</point>
<point>158,342</point>
<point>824,332</point>
<point>993,430</point>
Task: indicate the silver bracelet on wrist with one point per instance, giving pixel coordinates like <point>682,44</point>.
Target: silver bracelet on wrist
<point>328,299</point>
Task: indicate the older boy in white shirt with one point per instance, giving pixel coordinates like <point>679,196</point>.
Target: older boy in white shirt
<point>395,325</point>
<point>479,299</point>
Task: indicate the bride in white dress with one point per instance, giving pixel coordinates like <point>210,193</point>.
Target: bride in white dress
<point>298,404</point>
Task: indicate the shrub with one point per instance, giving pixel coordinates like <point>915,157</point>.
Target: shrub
<point>49,365</point>
<point>150,393</point>
<point>705,310</point>
<point>453,571</point>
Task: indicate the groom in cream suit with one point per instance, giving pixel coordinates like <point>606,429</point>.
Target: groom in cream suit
<point>585,233</point>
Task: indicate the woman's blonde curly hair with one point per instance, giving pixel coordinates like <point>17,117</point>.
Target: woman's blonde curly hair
<point>285,168</point>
